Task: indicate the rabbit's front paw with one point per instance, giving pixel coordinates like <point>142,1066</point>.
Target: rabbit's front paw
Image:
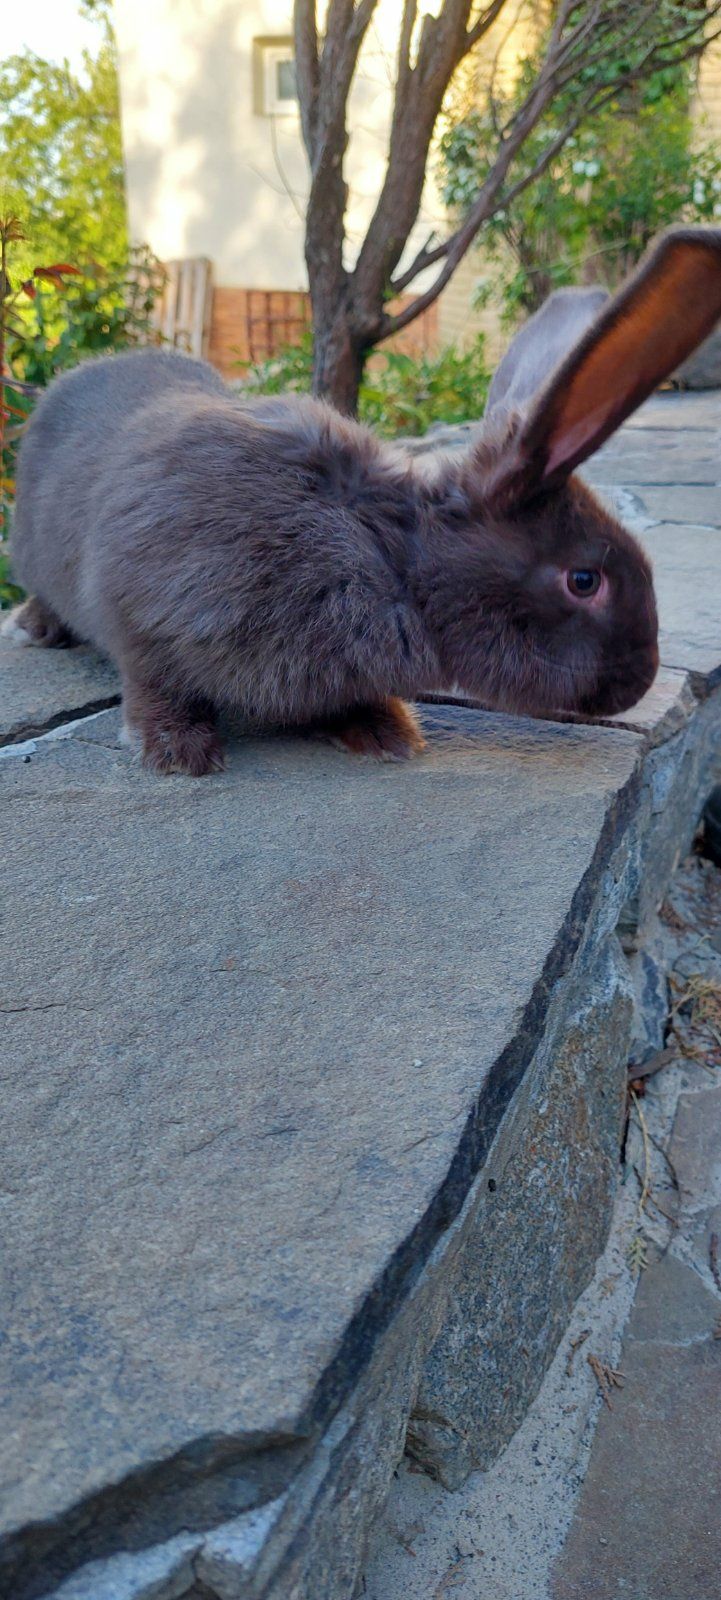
<point>194,749</point>
<point>387,732</point>
<point>176,732</point>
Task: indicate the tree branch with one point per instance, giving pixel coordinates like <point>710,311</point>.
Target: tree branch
<point>307,70</point>
<point>427,255</point>
<point>482,25</point>
<point>326,78</point>
<point>421,88</point>
<point>492,196</point>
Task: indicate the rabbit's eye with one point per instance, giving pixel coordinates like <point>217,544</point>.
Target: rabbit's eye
<point>583,582</point>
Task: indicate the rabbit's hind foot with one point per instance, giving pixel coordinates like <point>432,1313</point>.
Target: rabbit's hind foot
<point>389,731</point>
<point>35,623</point>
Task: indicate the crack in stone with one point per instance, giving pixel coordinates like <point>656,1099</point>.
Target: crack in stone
<point>32,730</point>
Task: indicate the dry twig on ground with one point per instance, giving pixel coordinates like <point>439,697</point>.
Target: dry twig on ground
<point>573,1347</point>
<point>606,1377</point>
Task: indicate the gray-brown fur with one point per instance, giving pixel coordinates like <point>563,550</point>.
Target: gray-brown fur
<point>281,561</point>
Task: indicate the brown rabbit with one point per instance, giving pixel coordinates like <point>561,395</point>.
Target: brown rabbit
<point>279,560</point>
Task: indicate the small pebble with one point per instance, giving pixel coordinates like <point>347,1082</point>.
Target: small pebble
<point>26,760</point>
<point>416,1063</point>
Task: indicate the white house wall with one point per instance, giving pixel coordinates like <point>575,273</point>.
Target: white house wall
<point>209,175</point>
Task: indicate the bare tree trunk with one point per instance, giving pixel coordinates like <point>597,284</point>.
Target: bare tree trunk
<point>338,355</point>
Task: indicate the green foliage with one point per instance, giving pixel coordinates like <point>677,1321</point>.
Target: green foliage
<point>401,397</point>
<point>62,195</point>
<point>654,170</point>
<point>93,314</point>
<point>636,166</point>
<point>16,407</point>
<point>61,165</point>
<point>50,321</point>
<point>291,370</point>
<point>409,393</point>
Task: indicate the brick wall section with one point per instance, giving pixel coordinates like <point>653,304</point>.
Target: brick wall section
<point>250,324</point>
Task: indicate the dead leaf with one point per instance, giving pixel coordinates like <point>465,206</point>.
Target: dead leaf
<point>607,1378</point>
<point>573,1347</point>
<point>448,1581</point>
<point>58,270</point>
<point>655,1063</point>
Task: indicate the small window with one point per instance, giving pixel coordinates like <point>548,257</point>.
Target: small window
<point>275,92</point>
<point>285,80</point>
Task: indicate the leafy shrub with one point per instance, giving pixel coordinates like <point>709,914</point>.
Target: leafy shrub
<point>99,311</point>
<point>639,165</point>
<point>410,393</point>
<point>50,321</point>
<point>61,159</point>
<point>15,408</point>
<point>288,372</point>
<point>402,396</point>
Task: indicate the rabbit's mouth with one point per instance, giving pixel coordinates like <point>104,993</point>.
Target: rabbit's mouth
<point>631,680</point>
<point>562,687</point>
<point>588,692</point>
<point>624,687</point>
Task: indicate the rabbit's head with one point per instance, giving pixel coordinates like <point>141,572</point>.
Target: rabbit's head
<point>563,615</point>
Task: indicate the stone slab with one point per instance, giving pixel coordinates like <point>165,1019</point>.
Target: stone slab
<point>687,578</point>
<point>669,409</point>
<point>647,1525</point>
<point>541,1220</point>
<point>656,457</point>
<point>678,775</point>
<point>680,503</point>
<point>703,368</point>
<point>663,711</point>
<point>39,689</point>
<point>647,1521</point>
<point>258,1034</point>
<point>696,1148</point>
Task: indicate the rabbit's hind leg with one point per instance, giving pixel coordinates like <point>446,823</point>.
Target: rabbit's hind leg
<point>175,734</point>
<point>389,731</point>
<point>36,623</point>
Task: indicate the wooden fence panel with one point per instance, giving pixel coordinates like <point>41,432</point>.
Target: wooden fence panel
<point>183,313</point>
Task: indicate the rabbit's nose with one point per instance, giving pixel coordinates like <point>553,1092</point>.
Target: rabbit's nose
<point>631,680</point>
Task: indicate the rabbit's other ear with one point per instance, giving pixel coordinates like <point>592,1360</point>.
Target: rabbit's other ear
<point>542,343</point>
<point>640,336</point>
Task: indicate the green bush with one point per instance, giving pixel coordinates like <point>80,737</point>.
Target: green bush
<point>639,165</point>
<point>409,393</point>
<point>61,158</point>
<point>95,312</point>
<point>401,397</point>
<point>53,319</point>
<point>290,371</point>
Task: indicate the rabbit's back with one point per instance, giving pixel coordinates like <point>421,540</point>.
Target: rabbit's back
<point>67,462</point>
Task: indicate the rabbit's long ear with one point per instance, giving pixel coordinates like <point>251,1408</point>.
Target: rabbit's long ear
<point>637,339</point>
<point>542,343</point>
